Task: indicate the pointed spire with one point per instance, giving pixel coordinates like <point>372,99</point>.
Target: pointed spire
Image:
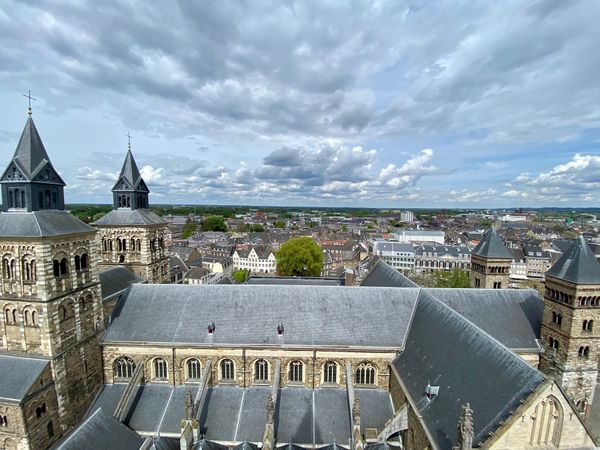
<point>577,265</point>
<point>130,171</point>
<point>130,191</point>
<point>491,246</point>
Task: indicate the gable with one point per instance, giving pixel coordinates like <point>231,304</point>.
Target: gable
<point>13,173</point>
<point>47,174</point>
<point>122,185</point>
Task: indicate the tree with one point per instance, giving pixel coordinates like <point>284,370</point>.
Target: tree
<point>454,278</point>
<point>214,223</point>
<point>241,275</point>
<point>189,229</point>
<point>300,256</point>
<point>279,224</point>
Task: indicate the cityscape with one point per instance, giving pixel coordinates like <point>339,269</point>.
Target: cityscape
<point>263,227</point>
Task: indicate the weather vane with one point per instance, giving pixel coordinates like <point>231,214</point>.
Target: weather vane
<point>29,97</point>
<point>128,140</point>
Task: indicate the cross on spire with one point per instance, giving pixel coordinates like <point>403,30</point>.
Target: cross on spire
<point>128,140</point>
<point>29,97</point>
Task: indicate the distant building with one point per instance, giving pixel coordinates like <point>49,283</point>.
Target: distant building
<point>407,216</point>
<point>512,218</point>
<point>408,236</point>
<point>256,260</point>
<point>434,257</point>
<point>399,255</point>
<point>518,265</point>
<point>538,261</point>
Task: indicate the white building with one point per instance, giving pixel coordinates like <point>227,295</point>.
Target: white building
<point>255,260</point>
<point>400,256</point>
<point>408,236</point>
<point>512,218</point>
<point>407,216</point>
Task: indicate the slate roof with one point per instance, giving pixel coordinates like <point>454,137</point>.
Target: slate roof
<point>101,431</point>
<point>116,279</point>
<point>30,155</point>
<point>442,250</point>
<point>491,246</point>
<point>517,313</point>
<point>43,223</point>
<point>384,275</point>
<point>131,174</point>
<point>391,246</point>
<point>17,375</point>
<point>312,315</point>
<point>468,365</point>
<point>577,265</point>
<point>131,217</point>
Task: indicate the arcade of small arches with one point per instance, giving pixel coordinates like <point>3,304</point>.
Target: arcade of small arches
<point>28,315</point>
<point>365,374</point>
<point>582,300</point>
<point>582,352</point>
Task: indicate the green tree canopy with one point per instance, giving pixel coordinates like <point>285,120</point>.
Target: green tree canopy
<point>454,278</point>
<point>300,256</point>
<point>241,275</point>
<point>214,223</point>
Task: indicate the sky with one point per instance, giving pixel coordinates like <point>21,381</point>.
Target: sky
<point>401,104</point>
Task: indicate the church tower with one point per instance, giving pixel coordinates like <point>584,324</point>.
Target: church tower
<point>571,323</point>
<point>50,300</point>
<point>131,235</point>
<point>490,262</point>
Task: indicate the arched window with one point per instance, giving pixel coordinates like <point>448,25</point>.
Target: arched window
<point>261,371</point>
<point>553,344</point>
<point>546,428</point>
<point>160,368</point>
<point>10,314</point>
<point>84,261</point>
<point>132,245</point>
<point>82,305</point>
<point>3,421</point>
<point>104,246</point>
<point>581,405</point>
<point>50,429</point>
<point>193,369</point>
<point>34,319</point>
<point>77,263</point>
<point>365,373</point>
<point>296,372</point>
<point>330,370</point>
<point>588,325</point>
<point>138,245</point>
<point>124,367</point>
<point>227,370</point>
<point>65,310</point>
<point>584,351</point>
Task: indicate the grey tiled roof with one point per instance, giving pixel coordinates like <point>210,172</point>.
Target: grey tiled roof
<point>468,365</point>
<point>312,315</point>
<point>577,265</point>
<point>492,246</point>
<point>41,224</point>
<point>133,217</point>
<point>117,279</point>
<point>17,374</point>
<point>101,431</point>
<point>384,275</point>
<point>30,155</point>
<point>375,408</point>
<point>517,313</point>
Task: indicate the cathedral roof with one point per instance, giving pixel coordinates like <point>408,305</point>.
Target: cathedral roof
<point>130,217</point>
<point>101,431</point>
<point>117,279</point>
<point>312,315</point>
<point>42,223</point>
<point>447,351</point>
<point>30,155</point>
<point>130,175</point>
<point>491,246</point>
<point>577,265</point>
<point>17,375</point>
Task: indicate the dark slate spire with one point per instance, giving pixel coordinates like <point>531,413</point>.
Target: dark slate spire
<point>491,246</point>
<point>577,265</point>
<point>30,182</point>
<point>130,191</point>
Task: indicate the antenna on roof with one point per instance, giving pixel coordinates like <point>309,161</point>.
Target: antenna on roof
<point>29,98</point>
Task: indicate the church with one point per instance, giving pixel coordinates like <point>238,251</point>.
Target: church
<point>93,357</point>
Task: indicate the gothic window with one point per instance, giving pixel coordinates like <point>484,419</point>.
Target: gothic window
<point>295,373</point>
<point>124,367</point>
<point>160,368</point>
<point>584,351</point>
<point>193,369</point>
<point>330,370</point>
<point>365,373</point>
<point>261,371</point>
<point>546,424</point>
<point>227,370</point>
<point>588,325</point>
